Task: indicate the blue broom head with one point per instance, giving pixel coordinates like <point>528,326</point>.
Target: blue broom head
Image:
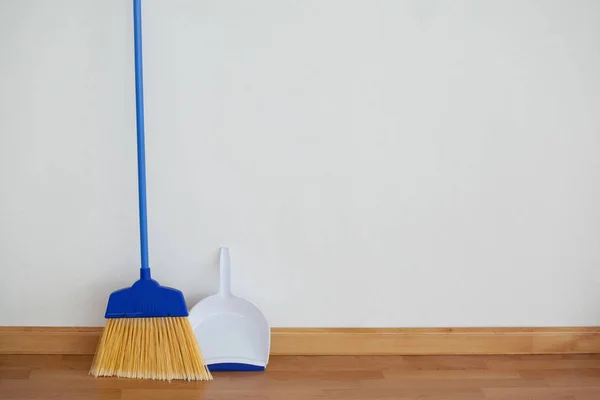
<point>146,298</point>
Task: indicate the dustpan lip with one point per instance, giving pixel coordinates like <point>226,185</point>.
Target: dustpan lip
<point>235,366</point>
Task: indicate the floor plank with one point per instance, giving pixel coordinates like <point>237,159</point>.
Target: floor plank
<point>573,377</point>
<point>14,372</point>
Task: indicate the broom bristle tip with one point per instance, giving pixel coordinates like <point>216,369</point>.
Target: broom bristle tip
<point>149,348</point>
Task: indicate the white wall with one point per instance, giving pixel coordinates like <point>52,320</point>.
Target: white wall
<point>370,163</point>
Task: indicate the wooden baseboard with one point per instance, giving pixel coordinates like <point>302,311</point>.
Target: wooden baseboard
<point>344,341</point>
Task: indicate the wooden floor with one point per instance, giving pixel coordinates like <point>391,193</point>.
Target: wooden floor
<point>353,378</point>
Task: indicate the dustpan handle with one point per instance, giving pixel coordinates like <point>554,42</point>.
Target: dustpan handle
<point>141,152</point>
<point>224,272</point>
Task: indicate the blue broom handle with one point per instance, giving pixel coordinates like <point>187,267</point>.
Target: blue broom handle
<point>141,153</point>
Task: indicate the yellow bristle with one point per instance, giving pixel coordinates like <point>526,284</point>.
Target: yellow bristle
<point>149,348</point>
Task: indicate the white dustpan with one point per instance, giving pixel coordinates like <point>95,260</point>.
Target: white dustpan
<point>232,332</point>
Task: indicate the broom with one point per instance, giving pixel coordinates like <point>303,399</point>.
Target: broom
<point>148,334</point>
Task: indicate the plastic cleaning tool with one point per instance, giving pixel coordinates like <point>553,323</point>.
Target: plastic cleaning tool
<point>147,334</point>
<point>233,333</point>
